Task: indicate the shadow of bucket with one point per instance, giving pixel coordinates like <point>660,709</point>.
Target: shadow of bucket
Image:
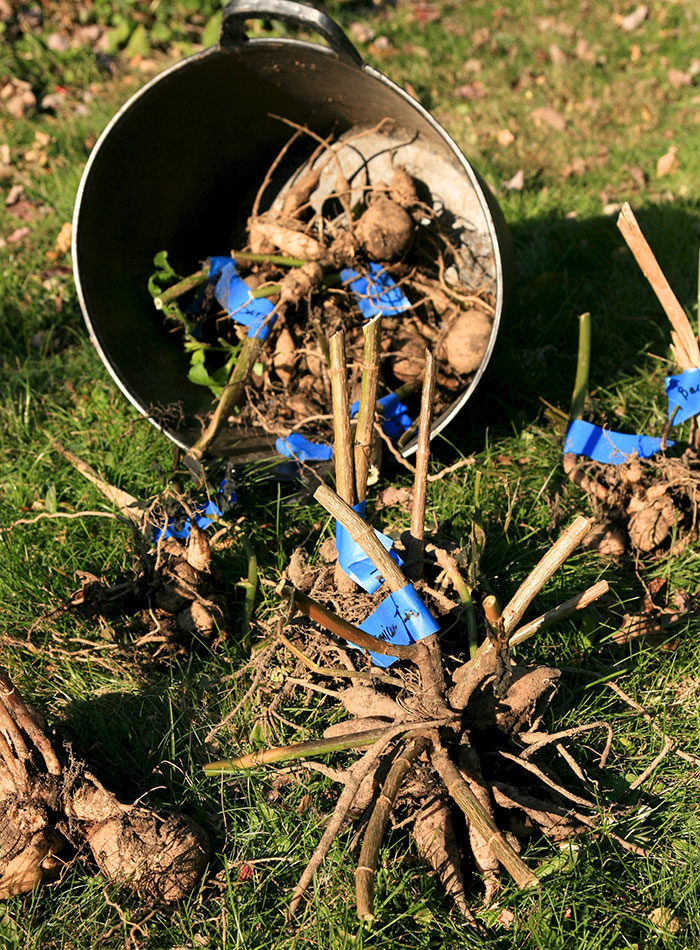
<point>178,167</point>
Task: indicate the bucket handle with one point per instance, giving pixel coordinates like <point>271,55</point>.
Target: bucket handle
<point>290,11</point>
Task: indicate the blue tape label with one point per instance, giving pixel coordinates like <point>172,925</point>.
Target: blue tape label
<point>353,559</point>
<point>401,618</point>
<point>396,419</point>
<point>236,298</point>
<point>683,391</point>
<point>377,294</point>
<point>204,515</point>
<point>604,445</point>
<point>297,447</point>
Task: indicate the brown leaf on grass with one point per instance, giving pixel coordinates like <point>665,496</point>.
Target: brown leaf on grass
<point>668,162</point>
<point>517,182</point>
<point>19,234</point>
<point>471,91</point>
<point>505,137</point>
<point>24,210</point>
<point>634,19</point>
<point>62,244</point>
<point>546,115</point>
<point>435,839</point>
<point>18,97</point>
<point>426,13</point>
<point>678,78</point>
<point>362,33</point>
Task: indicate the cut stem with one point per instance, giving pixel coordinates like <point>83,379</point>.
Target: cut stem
<point>181,287</point>
<point>300,750</point>
<point>483,823</point>
<point>685,344</point>
<point>420,481</point>
<point>362,533</point>
<point>543,570</point>
<point>364,432</point>
<point>366,872</point>
<point>342,442</point>
<point>583,364</point>
<point>330,621</point>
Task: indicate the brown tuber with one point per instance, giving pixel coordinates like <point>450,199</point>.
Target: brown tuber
<point>466,341</point>
<point>385,230</point>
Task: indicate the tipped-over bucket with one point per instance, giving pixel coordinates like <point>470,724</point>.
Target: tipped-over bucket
<point>178,167</point>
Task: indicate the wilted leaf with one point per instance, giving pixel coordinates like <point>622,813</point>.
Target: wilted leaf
<point>667,163</point>
<point>548,116</point>
<point>517,182</point>
<point>633,19</point>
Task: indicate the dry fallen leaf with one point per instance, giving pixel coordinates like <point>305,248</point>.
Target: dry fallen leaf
<point>63,242</point>
<point>505,137</point>
<point>548,116</point>
<point>678,78</point>
<point>633,19</point>
<point>471,91</point>
<point>517,182</point>
<point>667,163</point>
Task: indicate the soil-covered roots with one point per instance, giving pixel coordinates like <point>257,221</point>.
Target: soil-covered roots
<point>457,749</point>
<point>52,806</point>
<point>645,506</point>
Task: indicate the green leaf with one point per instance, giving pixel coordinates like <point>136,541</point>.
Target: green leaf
<point>138,43</point>
<point>210,33</point>
<point>50,500</point>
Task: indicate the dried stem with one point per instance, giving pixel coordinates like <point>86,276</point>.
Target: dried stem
<point>303,750</point>
<point>685,344</point>
<point>25,719</point>
<point>346,631</point>
<point>374,835</point>
<point>361,768</point>
<point>126,503</point>
<point>420,482</point>
<point>543,570</point>
<point>459,790</point>
<point>362,533</point>
<point>342,442</point>
<point>364,432</point>
<point>338,673</point>
<point>473,672</point>
<point>686,756</point>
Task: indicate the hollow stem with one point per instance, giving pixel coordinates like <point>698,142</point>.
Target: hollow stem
<point>364,432</point>
<point>583,364</point>
<point>685,344</point>
<point>181,287</point>
<point>330,621</point>
<point>420,481</point>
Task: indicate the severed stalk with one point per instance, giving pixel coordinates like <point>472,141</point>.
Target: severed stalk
<point>685,345</point>
<point>420,482</point>
<point>366,871</point>
<point>583,363</point>
<point>458,789</point>
<point>471,673</point>
<point>342,442</point>
<point>330,621</point>
<point>427,652</point>
<point>364,432</point>
<point>129,506</point>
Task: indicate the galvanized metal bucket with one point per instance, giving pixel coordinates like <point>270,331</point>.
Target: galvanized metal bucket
<point>178,167</point>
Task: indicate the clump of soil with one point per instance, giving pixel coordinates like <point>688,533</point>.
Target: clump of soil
<point>334,217</point>
<point>52,806</point>
<point>647,507</point>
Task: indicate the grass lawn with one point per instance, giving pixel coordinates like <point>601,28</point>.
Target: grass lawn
<point>566,109</point>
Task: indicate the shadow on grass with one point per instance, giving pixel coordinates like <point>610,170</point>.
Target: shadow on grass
<point>565,267</point>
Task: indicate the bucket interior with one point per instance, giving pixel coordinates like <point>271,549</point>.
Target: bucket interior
<point>178,169</point>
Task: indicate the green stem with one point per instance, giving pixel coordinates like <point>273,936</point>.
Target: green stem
<point>251,587</point>
<point>181,287</point>
<point>298,750</point>
<point>582,366</point>
<point>268,259</point>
